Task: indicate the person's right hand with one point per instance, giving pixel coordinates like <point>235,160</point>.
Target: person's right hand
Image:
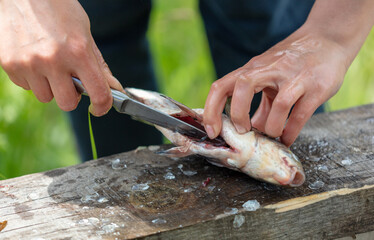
<point>44,43</point>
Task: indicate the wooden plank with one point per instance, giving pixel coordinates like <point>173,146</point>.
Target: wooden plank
<point>361,236</point>
<point>94,201</point>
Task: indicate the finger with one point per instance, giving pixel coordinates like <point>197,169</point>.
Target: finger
<point>215,104</point>
<point>19,82</point>
<point>64,91</point>
<point>300,114</point>
<point>241,104</point>
<point>94,80</point>
<point>261,115</point>
<point>281,108</point>
<point>265,83</point>
<point>112,81</point>
<point>40,87</point>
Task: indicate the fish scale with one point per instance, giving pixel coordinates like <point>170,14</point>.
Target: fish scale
<point>252,153</point>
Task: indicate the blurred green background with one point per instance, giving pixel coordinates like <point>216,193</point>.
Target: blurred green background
<point>35,137</point>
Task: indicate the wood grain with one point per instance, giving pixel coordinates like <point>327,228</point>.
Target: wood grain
<point>54,204</point>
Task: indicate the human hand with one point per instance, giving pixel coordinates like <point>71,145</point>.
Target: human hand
<point>45,43</point>
<point>302,72</point>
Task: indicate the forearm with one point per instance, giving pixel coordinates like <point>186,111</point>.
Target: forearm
<point>345,22</point>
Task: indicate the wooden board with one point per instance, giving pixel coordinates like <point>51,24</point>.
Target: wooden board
<point>95,201</point>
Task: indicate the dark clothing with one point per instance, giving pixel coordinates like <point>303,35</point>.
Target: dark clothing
<point>237,30</point>
<point>119,29</point>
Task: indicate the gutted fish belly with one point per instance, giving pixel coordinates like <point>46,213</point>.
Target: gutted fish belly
<point>251,153</point>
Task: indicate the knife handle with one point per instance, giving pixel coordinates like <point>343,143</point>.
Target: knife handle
<point>118,97</point>
<point>79,86</point>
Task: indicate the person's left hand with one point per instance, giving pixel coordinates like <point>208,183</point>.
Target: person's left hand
<point>303,71</point>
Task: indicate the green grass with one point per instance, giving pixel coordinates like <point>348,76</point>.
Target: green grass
<point>180,50</point>
<point>358,86</point>
<point>35,137</point>
<point>92,137</point>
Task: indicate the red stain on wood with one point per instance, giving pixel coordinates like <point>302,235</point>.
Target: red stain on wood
<point>206,182</point>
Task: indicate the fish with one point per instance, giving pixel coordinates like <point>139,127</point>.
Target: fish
<point>252,153</point>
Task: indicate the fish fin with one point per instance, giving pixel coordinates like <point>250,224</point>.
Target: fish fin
<point>219,163</point>
<point>215,163</point>
<point>197,117</point>
<point>127,91</point>
<point>181,151</point>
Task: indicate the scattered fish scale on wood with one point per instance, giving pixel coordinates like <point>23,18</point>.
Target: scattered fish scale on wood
<point>49,205</point>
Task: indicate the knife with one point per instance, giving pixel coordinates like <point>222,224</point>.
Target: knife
<point>122,103</point>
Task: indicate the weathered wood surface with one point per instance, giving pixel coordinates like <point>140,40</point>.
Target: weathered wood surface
<point>95,201</point>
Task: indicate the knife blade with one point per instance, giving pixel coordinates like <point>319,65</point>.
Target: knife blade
<point>122,103</point>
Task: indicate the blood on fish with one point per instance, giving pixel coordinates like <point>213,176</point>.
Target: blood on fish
<point>189,120</point>
<point>217,142</point>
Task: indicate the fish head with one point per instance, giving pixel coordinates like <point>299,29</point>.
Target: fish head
<point>273,162</point>
<point>254,154</point>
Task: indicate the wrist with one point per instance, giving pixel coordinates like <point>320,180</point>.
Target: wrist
<point>343,22</point>
<point>314,39</point>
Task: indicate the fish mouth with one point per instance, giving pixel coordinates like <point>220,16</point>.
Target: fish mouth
<point>296,179</point>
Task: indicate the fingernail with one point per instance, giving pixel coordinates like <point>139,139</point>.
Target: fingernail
<point>240,129</point>
<point>210,131</point>
<point>118,84</point>
<point>91,109</point>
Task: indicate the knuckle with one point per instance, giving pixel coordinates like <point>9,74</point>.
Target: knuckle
<point>103,100</point>
<point>327,87</point>
<point>251,76</point>
<point>241,81</point>
<point>50,57</point>
<point>9,66</point>
<point>33,61</point>
<point>283,102</point>
<point>28,61</point>
<point>300,117</point>
<point>25,61</point>
<point>241,74</point>
<point>253,63</point>
<point>216,86</point>
<point>14,65</point>
<point>79,47</point>
<point>320,87</point>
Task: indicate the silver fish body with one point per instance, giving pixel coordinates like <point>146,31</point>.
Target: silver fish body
<point>251,153</point>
